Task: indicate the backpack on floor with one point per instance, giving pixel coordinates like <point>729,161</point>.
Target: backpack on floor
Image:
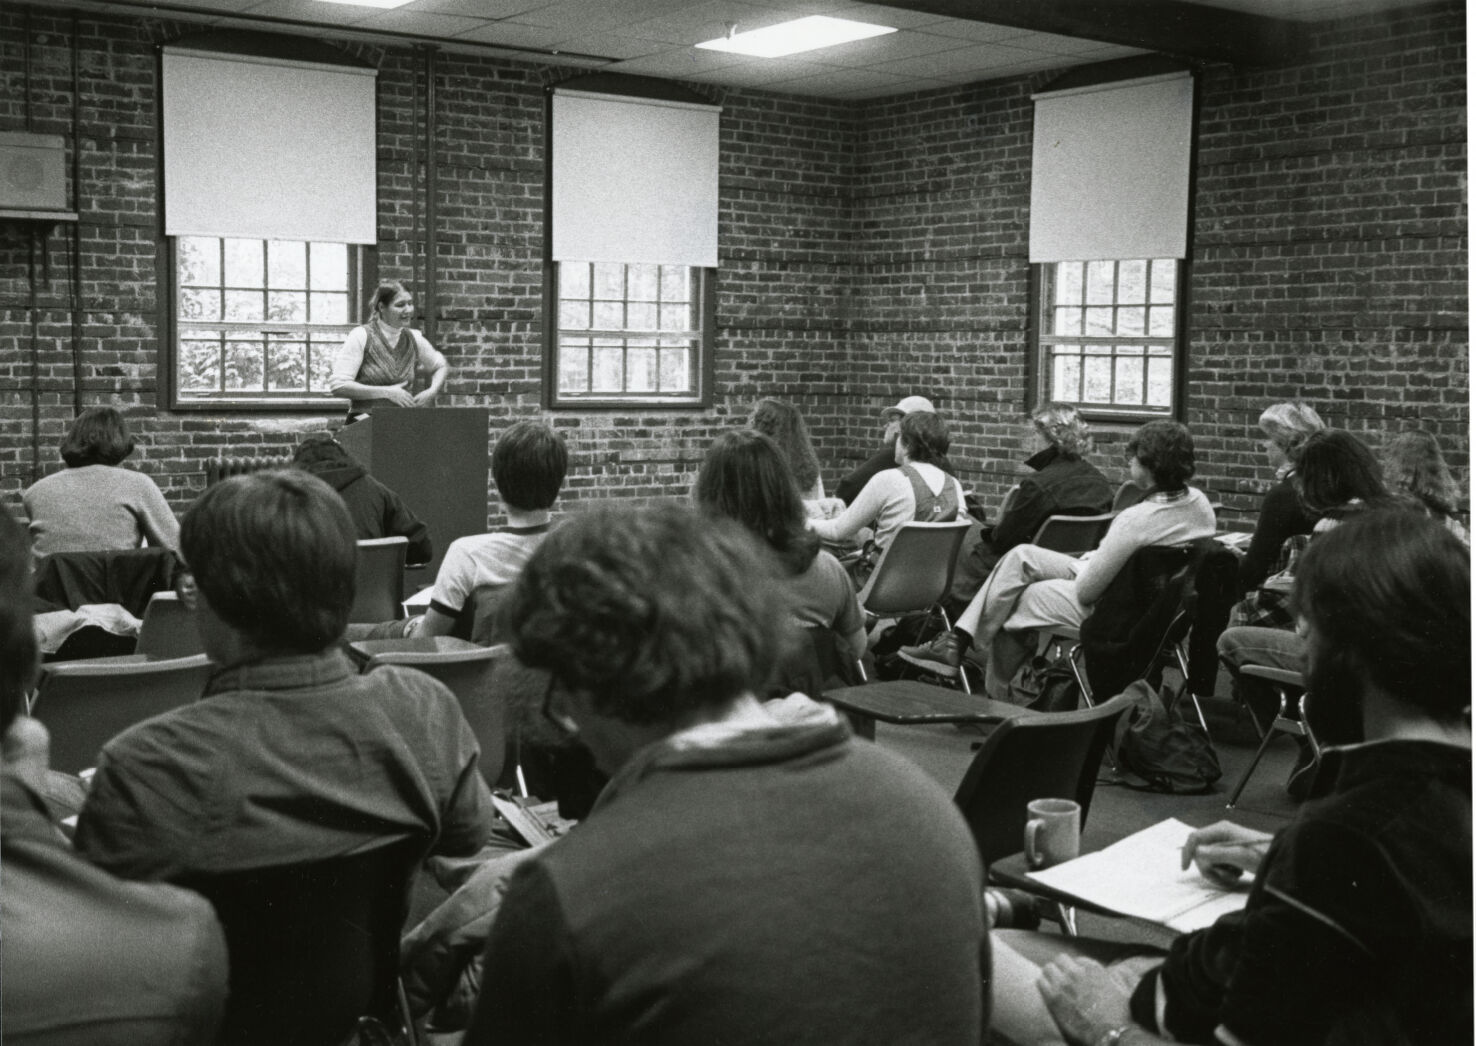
<point>1157,750</point>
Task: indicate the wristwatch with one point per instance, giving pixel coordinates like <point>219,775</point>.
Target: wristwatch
<point>1112,1036</point>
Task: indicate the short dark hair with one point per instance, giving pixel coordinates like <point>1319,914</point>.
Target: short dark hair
<point>1388,597</point>
<point>19,656</point>
<point>1335,467</point>
<point>924,436</point>
<point>385,293</point>
<point>273,554</point>
<point>655,612</point>
<point>528,465</point>
<point>99,436</point>
<point>744,478</point>
<point>1165,449</point>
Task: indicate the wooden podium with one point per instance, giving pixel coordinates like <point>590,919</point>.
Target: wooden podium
<point>436,459</point>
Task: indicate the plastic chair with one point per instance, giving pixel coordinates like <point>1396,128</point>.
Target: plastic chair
<point>168,629</point>
<point>467,671</point>
<point>379,580</point>
<point>1072,535</point>
<point>915,573</point>
<point>1286,721</point>
<point>85,704</point>
<point>313,947</point>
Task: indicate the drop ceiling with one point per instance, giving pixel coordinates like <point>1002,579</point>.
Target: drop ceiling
<point>939,43</point>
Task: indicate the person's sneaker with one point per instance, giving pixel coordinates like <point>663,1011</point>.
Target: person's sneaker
<point>941,656</point>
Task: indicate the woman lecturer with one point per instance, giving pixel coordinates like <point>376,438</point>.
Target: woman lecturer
<point>379,362</point>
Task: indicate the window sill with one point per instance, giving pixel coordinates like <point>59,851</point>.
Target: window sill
<point>262,404</point>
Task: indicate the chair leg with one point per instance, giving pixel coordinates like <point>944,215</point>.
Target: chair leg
<point>1183,664</point>
<point>963,676</point>
<point>1066,914</point>
<point>1073,658</point>
<point>1261,750</point>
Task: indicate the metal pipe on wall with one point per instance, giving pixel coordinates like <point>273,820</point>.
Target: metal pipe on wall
<point>429,296</point>
<point>77,225</point>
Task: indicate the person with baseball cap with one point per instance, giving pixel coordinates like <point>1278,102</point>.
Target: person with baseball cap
<point>884,458</point>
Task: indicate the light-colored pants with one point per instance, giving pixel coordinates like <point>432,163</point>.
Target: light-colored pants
<point>1272,647</point>
<point>1030,588</point>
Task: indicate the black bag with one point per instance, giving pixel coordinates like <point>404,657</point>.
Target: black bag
<point>1043,685</point>
<point>1157,750</point>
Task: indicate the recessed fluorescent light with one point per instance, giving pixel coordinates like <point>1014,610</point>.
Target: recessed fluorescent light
<point>802,34</point>
<point>370,3</point>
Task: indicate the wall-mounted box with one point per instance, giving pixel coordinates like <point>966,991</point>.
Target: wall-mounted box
<point>33,172</point>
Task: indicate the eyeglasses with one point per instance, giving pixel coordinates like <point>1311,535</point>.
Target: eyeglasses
<point>562,723</point>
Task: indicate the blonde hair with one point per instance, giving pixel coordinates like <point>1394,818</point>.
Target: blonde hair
<point>1289,424</point>
<point>1412,462</point>
<point>1064,427</point>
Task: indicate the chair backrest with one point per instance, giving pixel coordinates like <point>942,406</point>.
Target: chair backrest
<point>1072,535</point>
<point>916,570</point>
<point>379,580</point>
<point>128,577</point>
<point>1127,495</point>
<point>313,947</point>
<point>168,629</point>
<point>85,704</point>
<point>1053,755</point>
<point>468,674</point>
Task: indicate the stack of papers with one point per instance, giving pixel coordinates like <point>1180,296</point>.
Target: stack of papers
<point>1140,876</point>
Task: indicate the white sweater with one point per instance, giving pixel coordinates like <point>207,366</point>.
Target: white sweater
<point>885,503</point>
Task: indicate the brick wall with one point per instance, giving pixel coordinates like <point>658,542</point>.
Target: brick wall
<point>867,250</point>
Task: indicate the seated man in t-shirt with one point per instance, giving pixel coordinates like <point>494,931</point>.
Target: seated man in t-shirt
<point>528,466</point>
<point>290,756</point>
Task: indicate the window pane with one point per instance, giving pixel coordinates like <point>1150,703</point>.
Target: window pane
<point>1132,282</point>
<point>321,365</point>
<point>287,306</point>
<point>645,282</point>
<point>609,281</point>
<point>1161,322</point>
<point>244,365</point>
<point>573,315</point>
<point>1160,382</point>
<point>609,315</point>
<point>1097,379</point>
<point>199,362</point>
<point>1130,321</point>
<point>243,306</point>
<point>1068,283</point>
<point>608,368</point>
<point>574,366</point>
<point>330,264</point>
<point>678,318</point>
<point>1098,321</point>
<point>244,266</point>
<point>1163,281</point>
<point>1068,321</point>
<point>676,369</point>
<point>640,367</point>
<point>328,308</point>
<point>1129,385</point>
<point>287,365</point>
<point>573,280</point>
<point>676,283</point>
<point>199,305</point>
<point>1099,283</point>
<point>286,265</point>
<point>199,261</point>
<point>640,317</point>
<point>1066,378</point>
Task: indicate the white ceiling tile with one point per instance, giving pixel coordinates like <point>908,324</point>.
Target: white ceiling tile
<point>757,72</point>
<point>515,34</point>
<point>312,10</point>
<point>897,17</point>
<point>862,53</point>
<point>696,22</point>
<point>479,8</point>
<point>619,48</point>
<point>420,23</point>
<point>843,80</point>
<point>983,32</point>
<point>977,58</point>
<point>678,63</point>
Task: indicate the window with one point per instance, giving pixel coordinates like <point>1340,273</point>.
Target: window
<point>1107,335</point>
<point>629,331</point>
<point>260,319</point>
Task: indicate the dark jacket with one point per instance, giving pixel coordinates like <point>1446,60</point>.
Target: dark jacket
<point>376,510</point>
<point>1282,516</point>
<point>1061,486</point>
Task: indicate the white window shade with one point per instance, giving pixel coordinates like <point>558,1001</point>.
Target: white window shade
<point>1110,175</point>
<point>634,180</point>
<point>268,149</point>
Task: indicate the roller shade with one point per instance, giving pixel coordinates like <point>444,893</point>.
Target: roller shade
<point>268,149</point>
<point>1110,175</point>
<point>634,180</point>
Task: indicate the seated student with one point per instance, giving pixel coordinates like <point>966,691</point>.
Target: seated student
<point>377,511</point>
<point>1413,465</point>
<point>885,458</point>
<point>1287,426</point>
<point>290,756</point>
<point>1358,923</point>
<point>918,489</point>
<point>88,958</point>
<point>528,466</point>
<point>741,878</point>
<point>95,504</point>
<point>1033,587</point>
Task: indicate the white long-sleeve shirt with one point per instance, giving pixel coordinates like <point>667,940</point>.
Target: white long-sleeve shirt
<point>885,503</point>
